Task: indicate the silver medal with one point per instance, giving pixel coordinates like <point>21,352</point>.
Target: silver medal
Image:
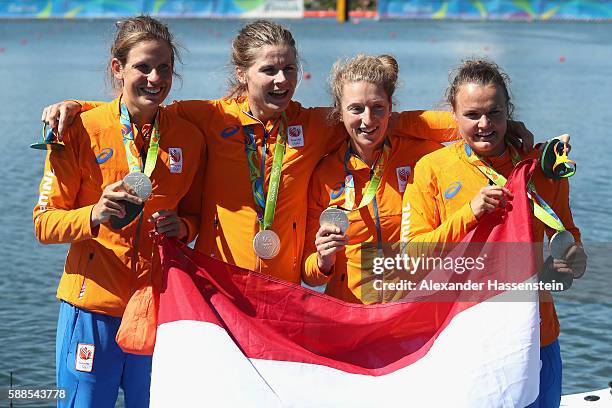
<point>335,217</point>
<point>140,183</point>
<point>560,243</point>
<point>266,244</point>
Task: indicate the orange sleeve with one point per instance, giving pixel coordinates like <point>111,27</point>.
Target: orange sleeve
<point>190,206</point>
<point>561,207</point>
<point>86,105</point>
<point>56,220</point>
<point>311,274</point>
<point>438,126</point>
<point>421,214</point>
<point>194,111</point>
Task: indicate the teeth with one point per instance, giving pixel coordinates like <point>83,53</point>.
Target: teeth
<point>151,91</point>
<point>367,131</point>
<point>279,93</point>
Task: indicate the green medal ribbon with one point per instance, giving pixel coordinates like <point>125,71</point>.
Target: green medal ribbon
<point>130,147</point>
<point>265,211</point>
<point>369,196</point>
<point>373,183</point>
<point>541,209</point>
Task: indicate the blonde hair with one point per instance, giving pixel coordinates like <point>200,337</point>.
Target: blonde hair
<point>380,70</point>
<point>134,30</point>
<point>247,43</point>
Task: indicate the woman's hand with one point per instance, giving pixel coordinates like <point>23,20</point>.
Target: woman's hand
<point>110,204</point>
<point>519,136</point>
<point>575,262</point>
<point>169,223</point>
<point>489,199</point>
<point>329,240</point>
<point>60,115</point>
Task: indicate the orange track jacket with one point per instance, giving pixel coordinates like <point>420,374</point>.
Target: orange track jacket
<point>347,281</point>
<point>228,218</point>
<point>437,208</point>
<point>99,274</point>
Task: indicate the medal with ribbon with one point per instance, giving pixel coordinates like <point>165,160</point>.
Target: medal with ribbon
<point>337,215</point>
<point>560,242</point>
<point>138,178</point>
<point>266,242</point>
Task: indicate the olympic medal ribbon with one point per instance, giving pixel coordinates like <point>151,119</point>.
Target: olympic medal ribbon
<point>541,209</point>
<point>127,133</point>
<point>266,203</point>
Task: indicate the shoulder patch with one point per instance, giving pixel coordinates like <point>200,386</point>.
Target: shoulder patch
<point>403,173</point>
<point>295,136</point>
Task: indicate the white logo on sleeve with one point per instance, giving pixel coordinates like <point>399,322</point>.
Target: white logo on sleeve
<point>176,159</point>
<point>85,357</point>
<point>295,136</point>
<point>45,191</point>
<point>403,173</point>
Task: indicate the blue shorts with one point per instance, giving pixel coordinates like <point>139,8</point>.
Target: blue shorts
<point>551,375</point>
<point>91,366</point>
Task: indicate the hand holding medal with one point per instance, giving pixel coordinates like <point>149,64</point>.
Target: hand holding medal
<point>112,204</point>
<point>137,181</point>
<point>136,184</point>
<point>567,260</point>
<point>331,237</point>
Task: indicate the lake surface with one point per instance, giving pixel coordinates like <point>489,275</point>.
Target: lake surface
<point>560,84</point>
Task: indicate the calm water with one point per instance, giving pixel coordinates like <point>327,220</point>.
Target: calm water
<point>561,83</point>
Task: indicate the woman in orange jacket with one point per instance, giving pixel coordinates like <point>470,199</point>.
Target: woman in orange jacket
<point>364,179</point>
<point>452,191</point>
<point>262,149</point>
<point>127,166</point>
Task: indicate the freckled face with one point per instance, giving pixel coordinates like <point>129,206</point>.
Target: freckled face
<point>271,80</point>
<point>366,110</point>
<point>482,114</point>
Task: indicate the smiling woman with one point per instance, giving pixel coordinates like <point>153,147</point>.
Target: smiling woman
<point>472,174</point>
<point>261,150</point>
<point>372,169</point>
<point>122,167</point>
<point>146,77</point>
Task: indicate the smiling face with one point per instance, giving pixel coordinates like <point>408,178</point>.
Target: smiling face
<point>270,81</point>
<point>365,110</point>
<point>146,77</point>
<point>482,114</point>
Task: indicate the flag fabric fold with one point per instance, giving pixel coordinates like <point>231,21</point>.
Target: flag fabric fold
<point>229,337</point>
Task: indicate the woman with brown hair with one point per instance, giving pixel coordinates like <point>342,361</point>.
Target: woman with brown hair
<point>454,187</point>
<point>261,150</point>
<point>125,164</point>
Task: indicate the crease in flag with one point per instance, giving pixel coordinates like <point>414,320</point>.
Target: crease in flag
<point>231,337</point>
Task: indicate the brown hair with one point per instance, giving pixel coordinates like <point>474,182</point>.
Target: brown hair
<point>247,43</point>
<point>481,72</point>
<point>381,70</point>
<point>135,30</point>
